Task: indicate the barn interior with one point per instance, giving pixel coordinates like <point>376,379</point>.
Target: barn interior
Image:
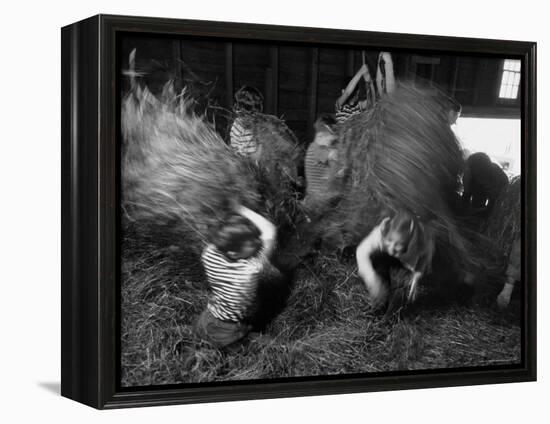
<point>328,326</point>
<point>301,82</point>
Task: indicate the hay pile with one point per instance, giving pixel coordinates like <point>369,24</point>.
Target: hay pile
<point>279,153</point>
<point>503,225</point>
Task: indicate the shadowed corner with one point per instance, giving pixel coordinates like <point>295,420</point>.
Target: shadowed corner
<point>51,386</point>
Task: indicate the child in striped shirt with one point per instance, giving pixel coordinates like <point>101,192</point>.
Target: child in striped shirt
<point>348,104</point>
<point>248,100</point>
<point>320,156</point>
<point>233,265</point>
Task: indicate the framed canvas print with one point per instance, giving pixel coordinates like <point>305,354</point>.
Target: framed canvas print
<point>254,211</point>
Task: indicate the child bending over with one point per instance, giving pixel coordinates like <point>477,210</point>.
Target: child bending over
<point>248,100</point>
<point>402,238</point>
<point>233,264</point>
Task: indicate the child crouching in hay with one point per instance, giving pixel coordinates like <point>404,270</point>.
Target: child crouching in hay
<point>402,238</point>
<point>234,263</point>
<point>178,172</point>
<point>400,157</point>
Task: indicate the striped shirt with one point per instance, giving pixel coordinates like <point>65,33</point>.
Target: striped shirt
<point>241,138</point>
<point>232,283</point>
<point>317,168</point>
<point>346,111</point>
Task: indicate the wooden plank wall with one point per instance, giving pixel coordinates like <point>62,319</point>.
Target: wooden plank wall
<point>301,82</point>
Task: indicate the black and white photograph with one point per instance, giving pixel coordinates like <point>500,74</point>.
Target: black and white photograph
<point>295,210</point>
<point>285,212</point>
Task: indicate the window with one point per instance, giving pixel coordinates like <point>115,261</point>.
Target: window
<point>499,138</point>
<point>509,84</point>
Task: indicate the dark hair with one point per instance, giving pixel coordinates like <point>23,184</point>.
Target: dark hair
<point>401,223</point>
<point>479,159</point>
<point>323,122</point>
<point>248,99</point>
<point>234,232</point>
<point>326,119</point>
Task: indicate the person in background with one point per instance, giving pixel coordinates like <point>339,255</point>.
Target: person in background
<point>320,155</point>
<point>385,76</point>
<point>248,101</point>
<point>483,182</point>
<point>455,109</point>
<point>349,103</point>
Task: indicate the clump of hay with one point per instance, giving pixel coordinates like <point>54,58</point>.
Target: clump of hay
<point>275,168</point>
<point>177,170</point>
<point>279,153</point>
<point>399,156</point>
<point>176,167</point>
<point>503,225</point>
<point>279,146</point>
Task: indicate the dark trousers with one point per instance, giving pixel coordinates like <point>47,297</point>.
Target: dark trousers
<point>219,333</point>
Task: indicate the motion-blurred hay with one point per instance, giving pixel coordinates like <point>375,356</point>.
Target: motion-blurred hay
<point>503,225</point>
<point>279,152</point>
<point>176,167</point>
<point>400,156</point>
<point>178,172</point>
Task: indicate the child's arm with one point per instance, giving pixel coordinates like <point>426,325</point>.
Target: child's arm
<point>366,271</point>
<point>389,73</point>
<point>414,283</point>
<point>505,294</point>
<point>364,104</point>
<point>267,229</point>
<point>351,86</point>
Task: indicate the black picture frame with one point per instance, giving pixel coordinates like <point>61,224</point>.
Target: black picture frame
<point>90,182</point>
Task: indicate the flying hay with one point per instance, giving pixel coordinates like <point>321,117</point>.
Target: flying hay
<point>399,156</point>
<point>279,152</point>
<point>504,223</point>
<point>176,167</point>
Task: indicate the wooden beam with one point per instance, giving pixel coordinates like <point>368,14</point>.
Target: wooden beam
<point>229,75</point>
<point>491,112</point>
<point>178,64</point>
<point>480,68</point>
<point>350,63</point>
<point>274,66</point>
<point>312,115</point>
<point>455,76</point>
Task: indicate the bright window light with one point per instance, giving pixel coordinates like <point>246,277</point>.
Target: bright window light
<point>509,84</point>
<point>499,138</point>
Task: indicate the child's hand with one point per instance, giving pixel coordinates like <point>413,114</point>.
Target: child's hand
<point>378,293</point>
<point>386,57</point>
<point>364,70</point>
<point>503,299</point>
